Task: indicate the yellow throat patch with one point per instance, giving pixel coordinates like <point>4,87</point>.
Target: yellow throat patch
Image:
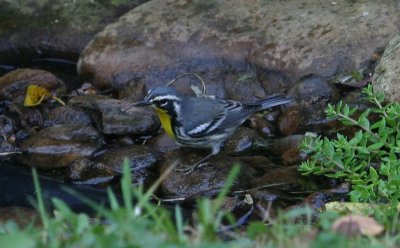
<point>165,122</point>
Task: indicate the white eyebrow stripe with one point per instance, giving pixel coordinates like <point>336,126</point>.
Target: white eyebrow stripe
<point>169,97</point>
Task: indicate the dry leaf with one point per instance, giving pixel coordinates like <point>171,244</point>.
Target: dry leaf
<point>352,225</point>
<point>35,95</point>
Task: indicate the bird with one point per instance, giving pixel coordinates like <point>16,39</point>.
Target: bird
<point>201,121</point>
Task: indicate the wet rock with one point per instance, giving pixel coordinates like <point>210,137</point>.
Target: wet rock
<point>86,101</point>
<point>293,156</point>
<point>245,141</point>
<point>22,216</point>
<point>386,78</point>
<point>288,179</point>
<point>8,150</point>
<point>13,84</point>
<point>67,115</point>
<point>163,143</point>
<point>313,93</point>
<point>7,127</point>
<point>239,207</point>
<point>85,171</point>
<point>232,203</point>
<point>313,90</point>
<point>60,145</point>
<point>241,86</point>
<point>356,99</point>
<point>258,163</point>
<point>290,122</point>
<point>53,29</point>
<point>288,148</point>
<point>275,81</point>
<point>264,195</point>
<point>222,38</point>
<point>28,119</point>
<point>85,89</point>
<point>270,200</point>
<point>33,118</point>
<point>141,159</point>
<point>204,181</point>
<point>282,188</point>
<point>134,91</point>
<point>122,141</point>
<point>111,117</point>
<point>22,135</point>
<point>317,200</point>
<point>281,145</point>
<point>262,126</point>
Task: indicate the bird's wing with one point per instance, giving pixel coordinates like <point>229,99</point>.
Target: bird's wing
<point>236,114</point>
<point>213,115</point>
<point>201,115</point>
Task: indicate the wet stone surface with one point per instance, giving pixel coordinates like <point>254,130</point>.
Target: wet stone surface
<point>245,141</point>
<point>141,160</point>
<point>60,145</point>
<point>231,42</point>
<point>67,115</point>
<point>387,73</point>
<point>264,127</point>
<point>113,117</point>
<point>13,85</point>
<point>313,90</point>
<point>163,143</point>
<point>204,181</point>
<point>287,178</point>
<point>312,94</point>
<point>288,149</point>
<point>31,30</point>
<point>22,216</point>
<point>109,165</point>
<point>86,171</point>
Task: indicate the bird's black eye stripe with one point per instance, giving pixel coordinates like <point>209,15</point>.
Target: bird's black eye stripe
<point>162,103</point>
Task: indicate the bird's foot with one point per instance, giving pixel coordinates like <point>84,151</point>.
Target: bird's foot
<point>187,169</point>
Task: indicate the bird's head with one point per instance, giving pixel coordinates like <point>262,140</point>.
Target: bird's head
<point>163,98</point>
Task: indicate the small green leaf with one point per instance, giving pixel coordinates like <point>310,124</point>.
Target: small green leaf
<point>375,146</point>
<point>363,149</point>
<point>363,122</point>
<point>356,139</point>
<point>373,174</point>
<point>379,124</point>
<point>346,110</point>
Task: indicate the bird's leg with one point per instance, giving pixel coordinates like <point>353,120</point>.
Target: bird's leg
<point>187,169</point>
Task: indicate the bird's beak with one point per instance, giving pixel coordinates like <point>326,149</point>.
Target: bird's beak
<point>142,103</point>
<point>129,106</point>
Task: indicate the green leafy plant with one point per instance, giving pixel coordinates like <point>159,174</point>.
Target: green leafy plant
<point>138,222</point>
<point>370,159</point>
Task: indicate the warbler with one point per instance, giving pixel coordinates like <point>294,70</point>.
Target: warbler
<point>202,122</point>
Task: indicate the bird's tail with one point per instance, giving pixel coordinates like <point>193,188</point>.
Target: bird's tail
<point>274,100</point>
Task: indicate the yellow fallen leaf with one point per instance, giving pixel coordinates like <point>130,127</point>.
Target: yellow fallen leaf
<point>36,94</point>
<point>353,225</point>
